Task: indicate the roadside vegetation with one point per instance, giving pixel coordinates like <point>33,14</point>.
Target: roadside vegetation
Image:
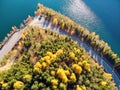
<point>14,29</point>
<point>45,60</point>
<point>90,38</point>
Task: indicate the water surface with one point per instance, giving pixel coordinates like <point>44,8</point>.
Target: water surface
<point>101,16</point>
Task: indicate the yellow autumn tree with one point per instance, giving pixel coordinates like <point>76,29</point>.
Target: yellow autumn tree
<point>73,77</point>
<point>52,73</point>
<point>15,52</point>
<point>44,65</point>
<point>38,12</point>
<point>62,25</point>
<point>55,21</point>
<point>72,55</point>
<point>59,52</point>
<point>77,68</point>
<point>4,85</point>
<point>78,88</point>
<point>61,74</point>
<point>53,58</point>
<point>49,54</point>
<point>87,67</point>
<point>67,72</point>
<point>103,83</point>
<point>27,77</point>
<point>18,85</point>
<point>38,65</point>
<point>54,83</point>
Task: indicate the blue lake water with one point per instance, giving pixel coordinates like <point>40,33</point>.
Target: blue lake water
<point>101,16</point>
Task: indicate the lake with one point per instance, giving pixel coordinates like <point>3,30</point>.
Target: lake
<point>100,16</point>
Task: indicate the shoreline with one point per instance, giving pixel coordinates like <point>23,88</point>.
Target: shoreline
<point>74,29</point>
<point>42,24</point>
<point>72,35</point>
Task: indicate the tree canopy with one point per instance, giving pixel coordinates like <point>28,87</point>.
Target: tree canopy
<point>50,61</point>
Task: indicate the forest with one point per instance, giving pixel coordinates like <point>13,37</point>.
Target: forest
<point>45,60</point>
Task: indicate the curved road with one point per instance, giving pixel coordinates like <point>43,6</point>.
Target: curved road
<point>10,44</point>
<point>45,24</point>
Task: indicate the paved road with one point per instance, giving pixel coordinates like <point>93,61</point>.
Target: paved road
<point>10,44</point>
<point>45,24</point>
<point>89,50</point>
<point>95,56</point>
<point>16,37</point>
